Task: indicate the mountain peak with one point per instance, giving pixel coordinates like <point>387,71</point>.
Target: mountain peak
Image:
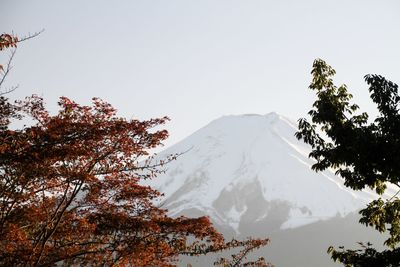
<point>250,167</point>
<point>270,115</point>
<point>249,122</point>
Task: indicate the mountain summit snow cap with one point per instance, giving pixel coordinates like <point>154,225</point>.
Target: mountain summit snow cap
<point>242,169</point>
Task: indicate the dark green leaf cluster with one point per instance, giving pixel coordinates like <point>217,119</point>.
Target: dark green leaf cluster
<point>363,153</point>
<point>366,257</point>
<point>384,215</point>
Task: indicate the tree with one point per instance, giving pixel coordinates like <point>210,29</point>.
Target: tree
<point>71,191</point>
<point>363,153</point>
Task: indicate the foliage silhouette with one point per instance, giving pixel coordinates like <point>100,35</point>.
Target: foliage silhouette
<point>364,154</point>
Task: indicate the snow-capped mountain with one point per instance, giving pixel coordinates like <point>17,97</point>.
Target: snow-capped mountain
<point>250,169</point>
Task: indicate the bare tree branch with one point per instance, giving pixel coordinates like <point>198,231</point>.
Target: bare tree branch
<point>30,36</point>
<point>5,71</point>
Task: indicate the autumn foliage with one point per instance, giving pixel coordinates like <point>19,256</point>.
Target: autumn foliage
<point>71,191</point>
<point>7,40</point>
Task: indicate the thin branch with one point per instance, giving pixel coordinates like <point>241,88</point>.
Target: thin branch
<point>30,36</point>
<point>394,195</point>
<point>9,66</point>
<point>5,72</point>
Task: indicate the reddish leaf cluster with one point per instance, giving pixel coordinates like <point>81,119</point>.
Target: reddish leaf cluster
<point>70,192</point>
<point>7,41</point>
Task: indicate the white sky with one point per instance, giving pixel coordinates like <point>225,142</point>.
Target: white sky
<point>195,61</point>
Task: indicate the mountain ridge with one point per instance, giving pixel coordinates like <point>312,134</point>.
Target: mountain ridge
<point>248,168</point>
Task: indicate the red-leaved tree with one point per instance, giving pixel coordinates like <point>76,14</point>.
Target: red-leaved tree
<point>70,191</point>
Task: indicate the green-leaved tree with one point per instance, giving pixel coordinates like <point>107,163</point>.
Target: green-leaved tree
<point>363,153</point>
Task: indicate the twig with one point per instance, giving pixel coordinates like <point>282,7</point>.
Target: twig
<point>30,36</point>
<point>5,72</point>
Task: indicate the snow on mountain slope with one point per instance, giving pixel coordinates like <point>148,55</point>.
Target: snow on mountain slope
<point>251,168</point>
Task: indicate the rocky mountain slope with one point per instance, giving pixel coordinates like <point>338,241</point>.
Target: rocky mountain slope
<point>252,168</point>
<point>253,178</point>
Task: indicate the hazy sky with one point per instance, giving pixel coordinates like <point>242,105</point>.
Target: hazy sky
<point>195,61</point>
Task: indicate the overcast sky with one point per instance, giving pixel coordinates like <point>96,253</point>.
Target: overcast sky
<point>195,61</point>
